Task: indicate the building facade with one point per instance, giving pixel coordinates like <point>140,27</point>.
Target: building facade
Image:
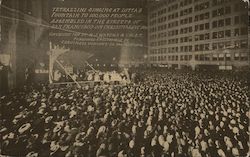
<point>23,37</point>
<point>198,33</point>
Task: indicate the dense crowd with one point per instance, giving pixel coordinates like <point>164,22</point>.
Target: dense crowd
<point>167,114</point>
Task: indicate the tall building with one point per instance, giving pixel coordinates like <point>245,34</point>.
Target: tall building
<point>198,33</point>
<point>23,37</point>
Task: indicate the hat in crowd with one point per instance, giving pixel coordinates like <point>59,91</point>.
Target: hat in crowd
<point>221,153</point>
<point>132,144</point>
<point>54,146</point>
<point>57,128</point>
<point>24,128</point>
<point>32,154</point>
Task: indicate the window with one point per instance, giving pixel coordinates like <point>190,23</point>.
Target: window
<point>214,24</point>
<point>214,2</point>
<point>196,57</point>
<point>190,48</point>
<point>214,13</point>
<point>244,18</point>
<point>190,19</point>
<point>228,10</point>
<point>236,20</point>
<point>190,29</point>
<point>196,27</point>
<point>221,23</point>
<point>228,21</point>
<point>196,38</point>
<point>237,44</point>
<point>215,35</point>
<point>214,46</point>
<point>243,44</point>
<point>221,11</point>
<point>243,57</point>
<point>202,37</point>
<point>206,15</point>
<point>221,34</point>
<point>206,47</point>
<point>236,32</point>
<point>228,33</point>
<point>236,56</point>
<point>206,37</point>
<point>243,31</point>
<point>196,18</point>
<point>196,48</point>
<point>236,7</point>
<point>202,27</point>
<point>207,26</point>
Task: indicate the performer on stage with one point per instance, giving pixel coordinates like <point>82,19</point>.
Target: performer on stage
<point>97,77</point>
<point>106,77</point>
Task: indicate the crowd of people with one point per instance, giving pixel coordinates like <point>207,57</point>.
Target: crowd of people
<point>166,114</point>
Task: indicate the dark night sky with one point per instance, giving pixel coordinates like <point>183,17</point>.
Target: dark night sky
<point>106,53</point>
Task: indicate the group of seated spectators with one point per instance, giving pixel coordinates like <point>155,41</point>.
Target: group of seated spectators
<point>166,114</point>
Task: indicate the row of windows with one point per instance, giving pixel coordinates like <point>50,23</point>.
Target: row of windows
<point>221,34</point>
<point>221,45</point>
<point>201,17</point>
<point>162,19</point>
<point>215,24</point>
<point>173,41</point>
<point>173,16</point>
<point>186,20</point>
<point>162,35</point>
<point>200,37</point>
<point>162,3</point>
<point>162,27</point>
<point>186,39</point>
<point>218,2</point>
<point>188,48</point>
<point>227,33</point>
<point>173,32</point>
<point>153,22</point>
<point>241,44</point>
<point>225,10</point>
<point>221,11</point>
<point>186,30</point>
<point>200,27</point>
<point>240,7</point>
<point>238,44</point>
<point>173,24</point>
<point>206,36</point>
<point>201,47</point>
<point>162,11</point>
<point>185,57</point>
<point>164,50</point>
<point>185,3</point>
<point>201,6</point>
<point>153,36</point>
<point>186,11</point>
<point>242,19</point>
<point>202,57</point>
<point>164,58</point>
<point>162,42</point>
<point>221,23</point>
<point>173,7</point>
